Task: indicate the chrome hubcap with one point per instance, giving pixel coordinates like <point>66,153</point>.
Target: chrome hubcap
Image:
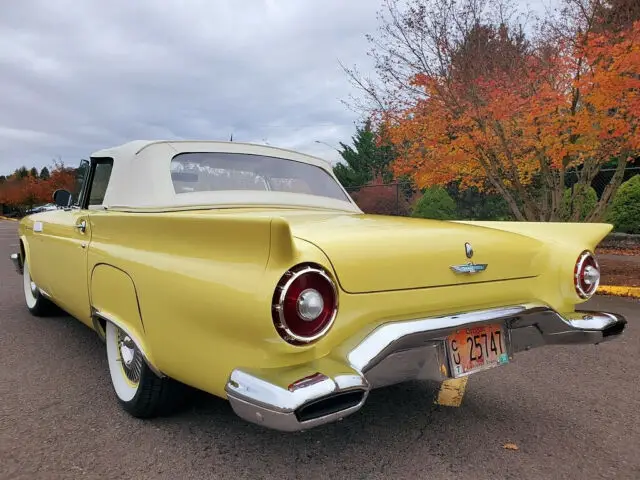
<point>130,357</point>
<point>33,287</point>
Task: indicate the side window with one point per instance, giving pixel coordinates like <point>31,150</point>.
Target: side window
<point>95,183</point>
<point>82,175</point>
<point>99,182</point>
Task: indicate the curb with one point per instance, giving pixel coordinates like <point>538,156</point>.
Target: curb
<point>7,218</point>
<point>619,291</point>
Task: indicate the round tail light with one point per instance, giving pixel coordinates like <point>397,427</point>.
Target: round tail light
<point>305,304</point>
<point>586,275</point>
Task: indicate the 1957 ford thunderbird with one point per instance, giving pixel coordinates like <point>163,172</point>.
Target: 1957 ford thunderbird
<point>248,272</point>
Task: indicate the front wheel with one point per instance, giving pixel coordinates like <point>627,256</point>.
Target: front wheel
<point>141,392</point>
<point>37,304</point>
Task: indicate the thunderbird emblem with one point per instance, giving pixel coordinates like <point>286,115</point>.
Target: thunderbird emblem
<point>470,267</point>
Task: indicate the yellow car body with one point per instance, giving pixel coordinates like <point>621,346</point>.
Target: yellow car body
<point>191,284</point>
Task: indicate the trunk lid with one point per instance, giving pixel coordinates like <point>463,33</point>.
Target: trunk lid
<point>378,253</point>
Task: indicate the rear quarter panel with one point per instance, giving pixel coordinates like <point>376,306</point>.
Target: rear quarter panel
<point>204,288</point>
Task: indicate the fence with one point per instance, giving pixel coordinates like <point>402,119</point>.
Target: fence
<point>400,199</point>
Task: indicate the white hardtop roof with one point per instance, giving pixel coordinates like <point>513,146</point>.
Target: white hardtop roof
<point>141,178</point>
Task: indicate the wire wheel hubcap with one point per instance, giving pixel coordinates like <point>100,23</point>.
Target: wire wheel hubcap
<point>130,357</point>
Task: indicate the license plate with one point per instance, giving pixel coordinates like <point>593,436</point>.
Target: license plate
<point>477,348</point>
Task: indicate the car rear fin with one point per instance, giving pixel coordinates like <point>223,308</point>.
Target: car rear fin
<point>580,235</point>
<point>282,248</point>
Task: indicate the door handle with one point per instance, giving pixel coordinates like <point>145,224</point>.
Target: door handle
<point>82,226</point>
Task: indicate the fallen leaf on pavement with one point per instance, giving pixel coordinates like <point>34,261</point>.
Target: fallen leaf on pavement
<point>511,446</point>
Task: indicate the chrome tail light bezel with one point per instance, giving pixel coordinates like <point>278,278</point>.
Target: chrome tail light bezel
<point>585,257</point>
<point>279,296</point>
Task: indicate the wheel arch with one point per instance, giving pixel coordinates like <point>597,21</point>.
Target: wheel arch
<point>22,249</point>
<point>114,299</point>
<point>25,253</point>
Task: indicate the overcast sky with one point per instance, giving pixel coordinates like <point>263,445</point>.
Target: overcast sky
<point>77,76</point>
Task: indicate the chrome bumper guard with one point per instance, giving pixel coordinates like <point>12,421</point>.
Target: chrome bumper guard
<point>398,352</point>
<point>17,262</point>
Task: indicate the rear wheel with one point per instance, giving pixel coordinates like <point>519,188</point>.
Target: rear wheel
<point>141,392</point>
<point>37,304</point>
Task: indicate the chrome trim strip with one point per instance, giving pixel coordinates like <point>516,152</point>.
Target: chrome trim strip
<point>398,351</point>
<point>108,318</point>
<point>16,258</point>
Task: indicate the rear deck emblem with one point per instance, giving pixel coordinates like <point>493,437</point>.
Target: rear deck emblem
<point>470,267</point>
<point>468,250</point>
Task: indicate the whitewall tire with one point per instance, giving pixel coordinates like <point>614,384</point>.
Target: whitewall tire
<point>140,392</point>
<point>37,304</point>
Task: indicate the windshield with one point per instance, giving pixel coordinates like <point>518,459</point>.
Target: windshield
<point>202,172</point>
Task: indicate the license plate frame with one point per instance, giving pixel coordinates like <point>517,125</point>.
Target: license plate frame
<point>464,345</point>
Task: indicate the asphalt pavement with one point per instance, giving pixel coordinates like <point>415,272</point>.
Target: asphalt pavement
<point>572,412</point>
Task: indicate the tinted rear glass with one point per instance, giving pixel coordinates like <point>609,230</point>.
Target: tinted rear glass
<point>202,172</point>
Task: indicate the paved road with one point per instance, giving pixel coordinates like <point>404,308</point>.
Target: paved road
<point>573,412</point>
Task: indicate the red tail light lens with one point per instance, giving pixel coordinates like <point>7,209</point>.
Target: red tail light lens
<point>586,275</point>
<point>305,304</point>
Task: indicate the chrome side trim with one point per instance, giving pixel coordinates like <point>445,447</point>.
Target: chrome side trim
<point>96,314</point>
<point>399,351</point>
<point>16,259</point>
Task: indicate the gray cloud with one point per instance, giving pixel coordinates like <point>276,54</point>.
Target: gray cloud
<point>79,76</point>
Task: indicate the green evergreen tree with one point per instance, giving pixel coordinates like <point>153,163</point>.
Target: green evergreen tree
<point>44,173</point>
<point>366,160</point>
<point>21,172</point>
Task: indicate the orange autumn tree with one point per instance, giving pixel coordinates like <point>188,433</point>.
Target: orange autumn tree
<point>22,189</point>
<point>61,177</point>
<point>475,100</point>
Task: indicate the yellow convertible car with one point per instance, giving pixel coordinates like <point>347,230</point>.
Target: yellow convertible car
<point>248,272</point>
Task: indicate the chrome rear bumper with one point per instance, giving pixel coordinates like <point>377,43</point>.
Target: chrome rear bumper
<point>337,386</point>
<point>17,262</point>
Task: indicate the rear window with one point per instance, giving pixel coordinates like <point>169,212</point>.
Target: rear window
<point>215,171</point>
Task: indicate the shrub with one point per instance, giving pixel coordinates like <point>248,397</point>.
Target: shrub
<point>380,199</point>
<point>435,203</point>
<point>624,212</point>
<point>475,204</point>
<point>584,199</point>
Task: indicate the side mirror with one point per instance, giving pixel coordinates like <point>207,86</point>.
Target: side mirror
<point>62,198</point>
